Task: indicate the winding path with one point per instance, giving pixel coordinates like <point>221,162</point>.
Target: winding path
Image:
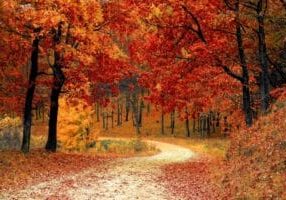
<point>123,179</point>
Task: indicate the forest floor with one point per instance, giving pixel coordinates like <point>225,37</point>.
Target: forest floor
<point>155,177</point>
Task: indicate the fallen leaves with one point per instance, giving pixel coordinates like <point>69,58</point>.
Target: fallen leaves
<point>190,180</point>
<point>255,167</point>
<point>18,170</point>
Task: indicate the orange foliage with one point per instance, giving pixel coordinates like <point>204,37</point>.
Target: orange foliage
<point>255,167</point>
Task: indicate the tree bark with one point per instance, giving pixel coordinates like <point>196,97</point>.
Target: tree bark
<point>112,119</point>
<point>58,82</point>
<point>118,114</point>
<point>127,107</point>
<point>264,76</point>
<point>148,104</point>
<point>172,122</point>
<point>27,123</point>
<point>245,74</point>
<point>97,112</point>
<point>188,127</point>
<point>134,103</point>
<point>162,123</point>
<point>141,106</point>
<point>194,125</point>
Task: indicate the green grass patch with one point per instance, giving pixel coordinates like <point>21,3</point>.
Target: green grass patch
<point>123,147</point>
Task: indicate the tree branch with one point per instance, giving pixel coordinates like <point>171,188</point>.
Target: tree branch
<point>199,31</point>
<point>44,73</point>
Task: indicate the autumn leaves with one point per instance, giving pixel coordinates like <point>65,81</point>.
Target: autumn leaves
<point>205,55</point>
<point>63,41</point>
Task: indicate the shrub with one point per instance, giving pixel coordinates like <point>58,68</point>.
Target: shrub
<point>255,167</point>
<point>124,147</point>
<point>75,127</point>
<point>10,133</point>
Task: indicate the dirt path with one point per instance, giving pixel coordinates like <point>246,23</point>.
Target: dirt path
<point>125,179</point>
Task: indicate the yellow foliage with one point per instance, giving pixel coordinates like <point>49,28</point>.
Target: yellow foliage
<point>75,126</point>
<point>10,122</point>
<point>156,11</point>
<point>185,53</point>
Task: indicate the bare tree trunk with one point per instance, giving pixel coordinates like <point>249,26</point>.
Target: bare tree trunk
<point>58,82</point>
<point>148,104</point>
<point>106,121</point>
<point>97,112</point>
<point>127,107</point>
<point>103,120</point>
<point>27,123</point>
<point>245,75</point>
<point>134,103</point>
<point>141,106</point>
<point>194,125</point>
<point>209,124</point>
<point>118,114</point>
<point>162,123</point>
<point>264,77</point>
<point>244,78</point>
<point>173,122</point>
<point>112,119</point>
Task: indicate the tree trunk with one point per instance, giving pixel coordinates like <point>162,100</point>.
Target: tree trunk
<point>187,123</point>
<point>204,126</point>
<point>200,125</point>
<point>103,121</point>
<point>58,82</point>
<point>218,120</point>
<point>209,124</point>
<point>247,106</point>
<point>172,122</point>
<point>264,77</point>
<point>148,104</point>
<point>213,122</point>
<point>245,75</point>
<point>54,107</point>
<point>112,119</point>
<point>188,127</point>
<point>162,123</point>
<point>43,112</point>
<point>127,108</point>
<point>97,112</point>
<point>118,114</point>
<point>27,123</point>
<point>194,125</point>
<point>106,120</point>
<point>121,114</point>
<point>141,106</point>
<point>134,103</point>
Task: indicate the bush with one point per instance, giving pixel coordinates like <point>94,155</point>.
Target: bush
<point>255,167</point>
<point>10,133</point>
<point>75,127</point>
<point>123,147</point>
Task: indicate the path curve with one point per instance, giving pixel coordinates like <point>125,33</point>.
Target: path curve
<point>124,179</point>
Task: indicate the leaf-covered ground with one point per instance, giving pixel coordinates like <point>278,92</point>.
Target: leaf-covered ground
<point>124,178</point>
<point>190,180</point>
<point>255,167</point>
<point>18,171</point>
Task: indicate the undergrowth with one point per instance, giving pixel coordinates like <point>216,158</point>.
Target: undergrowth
<point>255,165</point>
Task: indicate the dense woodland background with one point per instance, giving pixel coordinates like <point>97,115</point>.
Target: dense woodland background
<point>71,71</point>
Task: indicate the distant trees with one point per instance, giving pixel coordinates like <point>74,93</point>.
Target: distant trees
<point>196,39</point>
<point>191,58</point>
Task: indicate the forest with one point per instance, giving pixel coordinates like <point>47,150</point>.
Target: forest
<point>133,99</point>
